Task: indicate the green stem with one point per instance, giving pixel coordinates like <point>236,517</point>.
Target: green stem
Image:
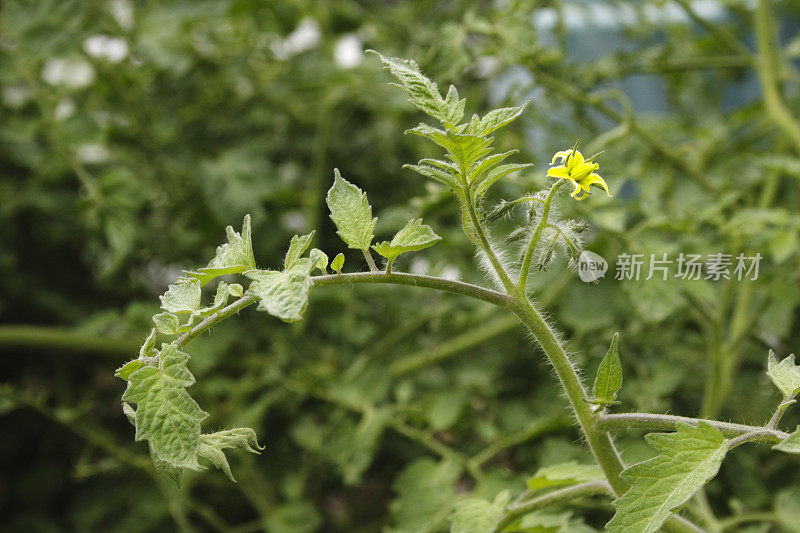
<point>728,523</point>
<point>472,337</point>
<point>540,427</point>
<point>625,421</point>
<point>598,439</point>
<point>211,320</point>
<point>487,247</point>
<point>63,339</point>
<point>401,278</point>
<point>600,443</point>
<point>592,488</point>
<point>767,67</point>
<point>370,262</point>
<point>526,261</point>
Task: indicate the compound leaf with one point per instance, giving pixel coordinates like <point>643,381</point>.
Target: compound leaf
<point>351,213</point>
<point>688,459</point>
<point>166,416</point>
<point>609,376</point>
<point>784,374</point>
<point>413,237</point>
<point>476,515</point>
<point>212,444</point>
<point>283,294</point>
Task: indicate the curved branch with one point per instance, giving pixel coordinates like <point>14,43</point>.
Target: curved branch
<point>670,422</point>
<point>401,278</point>
<point>395,278</point>
<point>591,488</point>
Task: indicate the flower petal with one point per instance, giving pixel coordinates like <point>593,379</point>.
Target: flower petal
<point>597,181</point>
<point>575,159</point>
<point>558,172</point>
<point>577,188</point>
<point>561,156</point>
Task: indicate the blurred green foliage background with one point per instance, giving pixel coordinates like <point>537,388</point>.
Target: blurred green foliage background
<point>132,133</point>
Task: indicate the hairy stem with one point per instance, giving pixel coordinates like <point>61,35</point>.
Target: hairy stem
<point>487,247</point>
<point>370,261</point>
<point>627,421</point>
<point>597,438</point>
<point>401,278</point>
<point>526,261</point>
<point>592,488</point>
<point>600,443</point>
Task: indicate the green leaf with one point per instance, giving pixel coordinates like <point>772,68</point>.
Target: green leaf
<point>182,297</point>
<point>129,368</point>
<point>424,92</point>
<point>549,522</point>
<point>338,263</point>
<point>791,444</point>
<point>688,459</point>
<point>166,323</point>
<point>484,182</point>
<point>609,376</point>
<point>569,473</point>
<point>424,492</point>
<point>413,237</point>
<point>785,374</point>
<point>445,177</point>
<point>166,416</point>
<point>235,290</point>
<point>283,294</point>
<point>320,259</point>
<point>233,257</point>
<point>494,120</point>
<point>212,444</point>
<point>479,168</point>
<point>297,246</point>
<point>476,515</point>
<point>351,213</point>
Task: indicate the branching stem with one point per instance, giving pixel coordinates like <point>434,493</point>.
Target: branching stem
<point>627,421</point>
<point>526,261</point>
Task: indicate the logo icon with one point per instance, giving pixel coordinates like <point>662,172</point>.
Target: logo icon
<point>591,266</point>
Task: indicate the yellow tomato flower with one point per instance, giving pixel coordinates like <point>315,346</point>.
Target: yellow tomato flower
<point>579,171</point>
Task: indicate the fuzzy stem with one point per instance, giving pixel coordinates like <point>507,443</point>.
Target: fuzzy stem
<point>599,441</point>
<point>582,490</point>
<point>597,438</point>
<point>487,247</point>
<point>370,262</point>
<point>625,421</point>
<point>526,261</point>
